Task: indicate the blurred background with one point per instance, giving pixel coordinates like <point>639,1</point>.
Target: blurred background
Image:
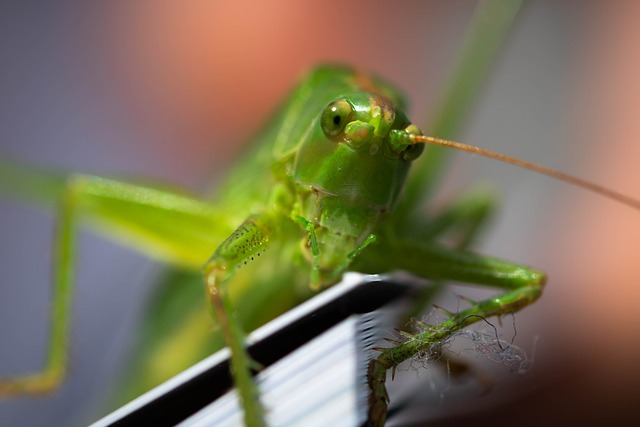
<point>171,92</point>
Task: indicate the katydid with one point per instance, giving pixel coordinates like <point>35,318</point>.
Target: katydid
<point>332,169</point>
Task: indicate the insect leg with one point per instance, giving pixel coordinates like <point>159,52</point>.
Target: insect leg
<point>246,242</point>
<point>522,286</point>
<point>54,370</point>
<point>371,238</point>
<point>153,219</point>
<point>462,221</point>
<point>315,252</point>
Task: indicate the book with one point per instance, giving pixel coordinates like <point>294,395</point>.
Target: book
<point>314,361</point>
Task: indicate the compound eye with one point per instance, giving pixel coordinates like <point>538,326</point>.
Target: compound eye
<point>335,117</point>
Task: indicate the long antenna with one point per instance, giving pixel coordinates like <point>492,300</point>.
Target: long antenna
<point>629,201</point>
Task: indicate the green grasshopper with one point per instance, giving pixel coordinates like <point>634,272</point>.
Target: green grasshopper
<point>333,166</point>
<point>338,157</point>
<point>279,217</point>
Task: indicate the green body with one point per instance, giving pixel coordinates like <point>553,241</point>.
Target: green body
<point>296,170</point>
<point>316,194</point>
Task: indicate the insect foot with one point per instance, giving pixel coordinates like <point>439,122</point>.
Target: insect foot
<point>33,385</point>
<point>378,397</point>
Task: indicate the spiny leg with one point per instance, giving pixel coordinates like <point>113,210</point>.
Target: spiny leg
<point>247,242</point>
<point>119,205</point>
<point>522,286</point>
